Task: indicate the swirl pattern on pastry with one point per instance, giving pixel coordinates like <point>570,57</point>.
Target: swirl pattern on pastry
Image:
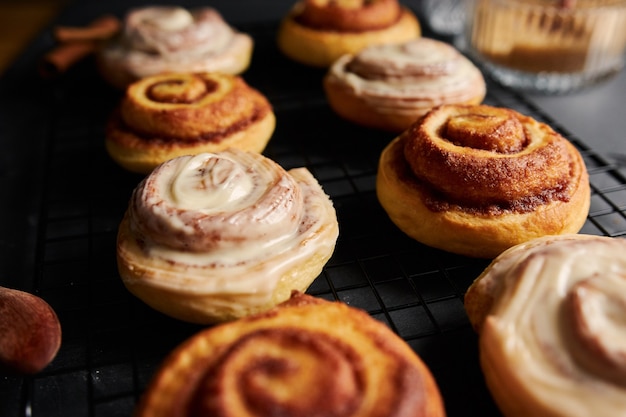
<point>550,316</point>
<point>349,15</point>
<point>169,115</point>
<point>214,237</point>
<point>306,357</point>
<point>487,178</point>
<point>390,86</point>
<point>317,32</point>
<point>159,39</point>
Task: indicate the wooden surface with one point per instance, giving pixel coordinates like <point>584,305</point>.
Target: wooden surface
<point>20,22</point>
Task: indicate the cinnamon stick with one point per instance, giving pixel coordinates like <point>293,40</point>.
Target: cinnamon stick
<point>64,56</point>
<point>100,29</point>
<point>76,43</point>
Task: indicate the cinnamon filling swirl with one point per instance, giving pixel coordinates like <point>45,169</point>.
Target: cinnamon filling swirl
<point>178,91</point>
<point>135,137</point>
<point>189,108</point>
<point>489,159</point>
<point>348,15</point>
<point>274,370</point>
<point>307,357</point>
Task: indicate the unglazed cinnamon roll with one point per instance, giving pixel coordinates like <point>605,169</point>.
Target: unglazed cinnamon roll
<point>306,357</point>
<point>550,316</point>
<point>169,115</point>
<point>476,180</point>
<point>218,236</point>
<point>392,85</point>
<point>318,32</point>
<point>159,39</point>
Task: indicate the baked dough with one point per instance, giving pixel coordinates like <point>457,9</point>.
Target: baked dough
<point>169,115</point>
<point>392,85</point>
<point>160,39</point>
<point>218,236</point>
<point>550,316</point>
<point>318,32</point>
<point>306,357</point>
<point>476,180</point>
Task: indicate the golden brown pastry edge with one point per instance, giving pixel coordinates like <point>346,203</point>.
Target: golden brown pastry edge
<point>471,235</point>
<point>319,48</point>
<point>308,312</point>
<point>142,156</point>
<point>135,265</point>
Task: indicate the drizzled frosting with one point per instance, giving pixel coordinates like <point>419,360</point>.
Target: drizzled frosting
<point>409,77</point>
<point>233,221</point>
<point>160,39</point>
<point>171,31</point>
<point>210,202</point>
<point>551,316</point>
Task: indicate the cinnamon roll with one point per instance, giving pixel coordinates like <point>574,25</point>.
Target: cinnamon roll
<point>218,236</point>
<point>306,357</point>
<point>317,32</point>
<point>392,85</point>
<point>160,39</point>
<point>550,316</point>
<point>169,115</point>
<point>476,180</point>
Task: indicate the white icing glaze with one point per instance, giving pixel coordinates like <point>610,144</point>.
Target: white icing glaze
<point>174,31</point>
<point>159,39</point>
<point>405,76</point>
<point>234,222</point>
<point>169,19</point>
<point>209,201</point>
<point>210,185</point>
<point>559,321</point>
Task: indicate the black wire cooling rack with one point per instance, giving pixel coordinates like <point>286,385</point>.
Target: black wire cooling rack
<point>112,343</point>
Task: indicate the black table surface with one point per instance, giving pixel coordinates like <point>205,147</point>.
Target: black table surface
<point>62,199</point>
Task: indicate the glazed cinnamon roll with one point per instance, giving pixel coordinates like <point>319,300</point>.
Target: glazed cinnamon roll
<point>218,236</point>
<point>550,316</point>
<point>306,357</point>
<point>476,180</point>
<point>317,32</point>
<point>159,39</point>
<point>169,115</point>
<point>390,86</point>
